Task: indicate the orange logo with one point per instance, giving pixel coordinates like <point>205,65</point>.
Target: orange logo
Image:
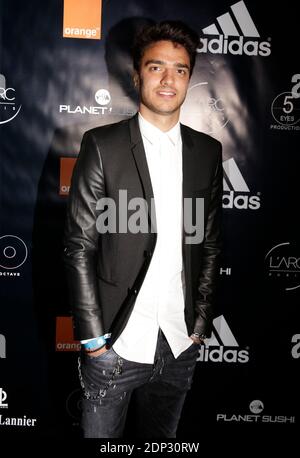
<point>82,19</point>
<point>64,335</point>
<point>66,170</point>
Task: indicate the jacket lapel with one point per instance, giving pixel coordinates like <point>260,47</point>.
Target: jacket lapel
<point>188,165</point>
<point>138,151</point>
<point>139,155</point>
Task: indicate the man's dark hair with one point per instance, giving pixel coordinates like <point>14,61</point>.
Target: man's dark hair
<point>175,31</point>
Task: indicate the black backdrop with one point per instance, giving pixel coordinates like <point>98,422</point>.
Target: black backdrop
<point>246,94</point>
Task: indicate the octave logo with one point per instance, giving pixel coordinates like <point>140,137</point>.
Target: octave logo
<point>9,108</point>
<point>13,254</point>
<point>222,346</point>
<point>236,23</point>
<point>82,19</point>
<point>236,191</point>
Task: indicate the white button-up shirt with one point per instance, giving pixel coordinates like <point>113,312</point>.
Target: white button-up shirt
<point>160,302</point>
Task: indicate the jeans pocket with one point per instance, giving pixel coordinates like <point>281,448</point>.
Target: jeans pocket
<point>104,355</point>
<point>99,377</point>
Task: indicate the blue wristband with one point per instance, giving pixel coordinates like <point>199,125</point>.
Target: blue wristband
<point>95,343</point>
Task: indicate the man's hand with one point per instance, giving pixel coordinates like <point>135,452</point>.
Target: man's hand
<point>99,352</point>
<point>197,339</point>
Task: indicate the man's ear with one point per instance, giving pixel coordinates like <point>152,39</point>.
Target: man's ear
<point>136,79</point>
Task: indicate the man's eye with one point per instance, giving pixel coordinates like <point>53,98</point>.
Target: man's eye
<point>155,68</point>
<point>181,71</point>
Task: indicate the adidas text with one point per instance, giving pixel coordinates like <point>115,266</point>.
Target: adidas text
<point>222,45</point>
<point>240,201</point>
<point>222,354</point>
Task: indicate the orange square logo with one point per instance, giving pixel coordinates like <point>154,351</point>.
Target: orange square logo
<point>65,335</point>
<point>66,170</point>
<point>82,19</point>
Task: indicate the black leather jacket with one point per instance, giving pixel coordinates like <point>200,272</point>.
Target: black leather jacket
<point>105,272</point>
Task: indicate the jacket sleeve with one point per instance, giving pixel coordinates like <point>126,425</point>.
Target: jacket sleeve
<point>210,256</point>
<point>81,240</point>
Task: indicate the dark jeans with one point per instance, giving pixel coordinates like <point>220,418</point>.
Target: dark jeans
<point>108,382</point>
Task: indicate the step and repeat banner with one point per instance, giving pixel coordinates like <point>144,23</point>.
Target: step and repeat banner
<point>64,68</point>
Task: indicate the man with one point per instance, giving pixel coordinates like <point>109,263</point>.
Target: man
<point>142,293</point>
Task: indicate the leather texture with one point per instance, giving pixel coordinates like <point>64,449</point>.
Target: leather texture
<point>105,271</point>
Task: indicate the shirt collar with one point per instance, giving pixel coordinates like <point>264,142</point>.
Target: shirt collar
<point>153,134</point>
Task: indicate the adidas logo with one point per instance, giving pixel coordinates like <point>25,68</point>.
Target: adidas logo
<point>237,23</point>
<point>236,190</point>
<point>222,346</point>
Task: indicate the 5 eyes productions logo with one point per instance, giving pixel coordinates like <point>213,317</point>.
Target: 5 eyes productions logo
<point>236,23</point>
<point>9,107</point>
<point>285,107</point>
<point>13,254</point>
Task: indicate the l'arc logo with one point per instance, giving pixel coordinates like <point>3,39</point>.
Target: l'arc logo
<point>82,19</point>
<point>9,108</point>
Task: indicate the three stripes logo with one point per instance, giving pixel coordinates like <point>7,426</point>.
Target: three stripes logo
<point>236,23</point>
<point>222,346</point>
<point>236,193</point>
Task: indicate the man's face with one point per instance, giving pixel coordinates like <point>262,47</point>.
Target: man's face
<point>163,78</point>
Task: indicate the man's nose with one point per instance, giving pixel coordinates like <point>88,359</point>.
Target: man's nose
<point>167,77</point>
